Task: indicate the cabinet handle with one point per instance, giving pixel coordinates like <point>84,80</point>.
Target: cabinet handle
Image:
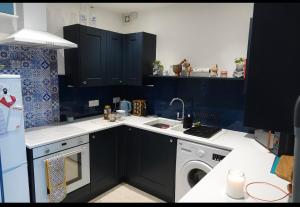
<point>120,81</point>
<point>93,137</point>
<point>84,82</point>
<point>171,140</point>
<point>47,151</point>
<point>115,38</point>
<point>129,129</point>
<point>133,39</point>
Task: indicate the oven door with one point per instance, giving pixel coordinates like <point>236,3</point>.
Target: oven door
<point>77,171</point>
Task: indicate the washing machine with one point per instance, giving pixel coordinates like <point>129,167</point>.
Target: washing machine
<point>193,162</point>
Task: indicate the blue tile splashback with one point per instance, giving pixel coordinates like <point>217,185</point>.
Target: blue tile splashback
<point>38,71</point>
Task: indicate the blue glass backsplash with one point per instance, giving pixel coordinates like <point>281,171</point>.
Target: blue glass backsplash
<point>38,71</point>
<point>213,102</point>
<point>74,100</point>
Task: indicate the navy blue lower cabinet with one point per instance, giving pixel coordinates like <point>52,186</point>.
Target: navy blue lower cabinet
<point>151,163</point>
<point>103,160</point>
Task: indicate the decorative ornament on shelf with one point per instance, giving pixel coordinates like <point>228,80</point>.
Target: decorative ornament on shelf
<point>239,70</point>
<point>214,70</point>
<point>187,67</point>
<point>158,68</point>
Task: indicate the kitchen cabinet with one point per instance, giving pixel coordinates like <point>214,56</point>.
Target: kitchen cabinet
<point>151,162</point>
<point>140,53</point>
<point>104,160</point>
<point>272,87</point>
<point>115,58</point>
<point>107,58</point>
<point>85,65</point>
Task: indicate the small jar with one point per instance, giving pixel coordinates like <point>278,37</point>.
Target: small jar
<point>107,111</point>
<point>235,184</point>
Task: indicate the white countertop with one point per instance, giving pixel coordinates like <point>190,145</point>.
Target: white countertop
<point>246,155</point>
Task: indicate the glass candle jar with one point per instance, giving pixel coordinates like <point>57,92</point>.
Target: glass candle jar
<point>235,184</point>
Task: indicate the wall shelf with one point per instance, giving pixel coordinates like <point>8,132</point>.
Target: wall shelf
<point>193,78</point>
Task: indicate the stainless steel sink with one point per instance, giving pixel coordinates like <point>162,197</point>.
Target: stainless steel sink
<point>163,123</point>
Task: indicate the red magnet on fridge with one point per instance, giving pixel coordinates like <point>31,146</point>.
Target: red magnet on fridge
<point>7,100</point>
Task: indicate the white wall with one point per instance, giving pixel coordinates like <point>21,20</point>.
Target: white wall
<point>61,14</point>
<point>204,33</point>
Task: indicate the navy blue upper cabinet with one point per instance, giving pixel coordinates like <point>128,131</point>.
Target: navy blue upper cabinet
<point>85,65</point>
<point>114,66</point>
<point>108,58</point>
<point>140,53</point>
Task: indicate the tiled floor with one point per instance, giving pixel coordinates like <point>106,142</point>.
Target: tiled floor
<point>125,193</point>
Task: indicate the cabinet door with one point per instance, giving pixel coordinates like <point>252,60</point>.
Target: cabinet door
<point>92,53</point>
<point>114,67</point>
<point>133,59</point>
<point>151,163</point>
<point>103,161</point>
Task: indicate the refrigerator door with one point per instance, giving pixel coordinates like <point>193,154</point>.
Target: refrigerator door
<point>12,142</point>
<point>15,185</point>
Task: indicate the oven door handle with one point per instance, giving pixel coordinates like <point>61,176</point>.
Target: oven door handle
<point>74,152</point>
<point>71,153</point>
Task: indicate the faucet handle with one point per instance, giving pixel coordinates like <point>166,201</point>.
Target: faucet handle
<point>178,116</point>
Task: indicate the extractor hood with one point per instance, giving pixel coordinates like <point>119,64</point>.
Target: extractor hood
<point>32,29</point>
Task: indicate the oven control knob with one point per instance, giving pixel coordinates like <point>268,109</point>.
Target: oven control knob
<point>200,153</point>
<point>47,151</point>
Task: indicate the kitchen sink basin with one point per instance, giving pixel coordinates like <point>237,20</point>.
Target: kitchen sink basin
<point>163,123</point>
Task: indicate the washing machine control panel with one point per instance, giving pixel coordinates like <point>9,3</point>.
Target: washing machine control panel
<point>217,157</point>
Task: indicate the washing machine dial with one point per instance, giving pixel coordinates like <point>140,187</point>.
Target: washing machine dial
<point>200,153</point>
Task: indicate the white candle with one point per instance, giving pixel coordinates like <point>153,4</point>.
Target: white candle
<point>235,184</point>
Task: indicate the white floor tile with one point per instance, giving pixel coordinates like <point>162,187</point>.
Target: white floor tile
<point>125,193</point>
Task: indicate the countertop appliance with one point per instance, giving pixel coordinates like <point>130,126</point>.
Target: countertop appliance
<point>126,106</point>
<point>32,29</point>
<point>12,141</point>
<point>278,143</point>
<point>77,165</point>
<point>202,131</point>
<point>193,162</point>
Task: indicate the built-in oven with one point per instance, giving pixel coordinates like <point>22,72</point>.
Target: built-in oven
<point>77,165</point>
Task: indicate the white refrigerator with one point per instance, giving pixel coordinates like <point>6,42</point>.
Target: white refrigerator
<point>14,182</point>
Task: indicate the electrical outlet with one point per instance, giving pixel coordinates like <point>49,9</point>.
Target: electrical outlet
<point>93,103</point>
<point>116,99</point>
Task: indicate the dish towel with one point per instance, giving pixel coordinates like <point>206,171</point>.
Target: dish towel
<point>56,179</point>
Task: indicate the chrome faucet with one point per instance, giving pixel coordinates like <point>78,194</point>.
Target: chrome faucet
<point>179,99</point>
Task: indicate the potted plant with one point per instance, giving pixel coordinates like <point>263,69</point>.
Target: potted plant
<point>239,63</point>
<point>158,68</point>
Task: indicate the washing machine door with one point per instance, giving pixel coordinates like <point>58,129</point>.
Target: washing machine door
<point>190,174</point>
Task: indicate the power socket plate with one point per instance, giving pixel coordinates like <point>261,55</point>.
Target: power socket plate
<point>93,103</point>
<point>116,99</point>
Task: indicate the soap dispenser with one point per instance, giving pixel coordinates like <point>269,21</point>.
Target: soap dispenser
<point>187,122</point>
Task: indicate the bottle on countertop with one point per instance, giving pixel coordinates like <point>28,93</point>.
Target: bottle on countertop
<point>187,122</point>
<point>107,111</point>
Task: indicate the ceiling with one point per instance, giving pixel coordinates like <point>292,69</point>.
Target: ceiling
<point>130,7</point>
